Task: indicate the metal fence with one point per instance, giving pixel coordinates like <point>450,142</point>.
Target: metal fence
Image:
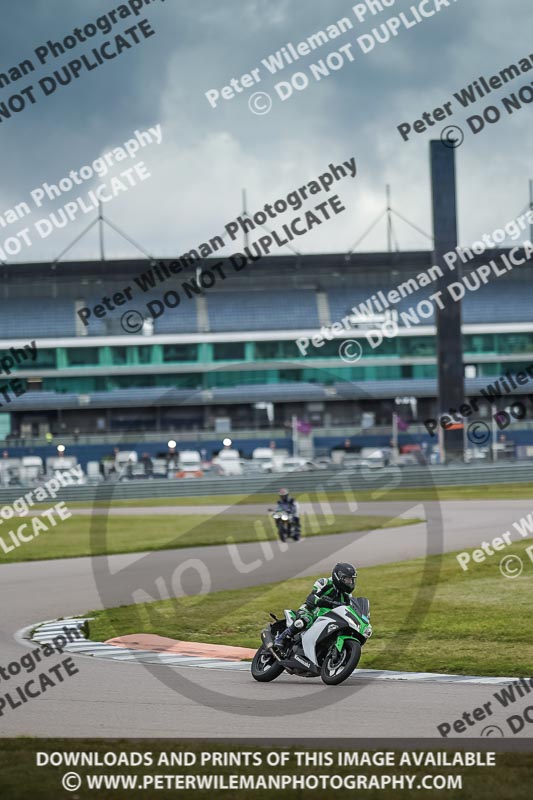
<point>298,483</point>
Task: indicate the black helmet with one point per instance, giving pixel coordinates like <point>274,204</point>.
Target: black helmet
<point>344,577</point>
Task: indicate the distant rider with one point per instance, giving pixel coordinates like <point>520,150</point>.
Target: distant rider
<point>289,505</point>
<point>327,593</point>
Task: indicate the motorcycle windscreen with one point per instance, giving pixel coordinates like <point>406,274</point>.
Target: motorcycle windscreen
<point>362,606</point>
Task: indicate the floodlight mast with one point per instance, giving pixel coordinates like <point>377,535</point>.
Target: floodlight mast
<point>450,369</point>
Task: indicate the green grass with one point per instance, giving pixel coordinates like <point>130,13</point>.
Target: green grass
<point>472,623</point>
<point>496,491</point>
<point>21,779</point>
<point>131,534</point>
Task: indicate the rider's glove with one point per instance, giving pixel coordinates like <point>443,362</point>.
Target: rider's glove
<point>310,602</point>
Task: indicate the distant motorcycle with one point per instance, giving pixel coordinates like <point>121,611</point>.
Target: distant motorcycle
<point>329,649</point>
<point>286,525</point>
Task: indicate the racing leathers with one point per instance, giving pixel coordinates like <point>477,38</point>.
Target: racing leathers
<point>324,595</point>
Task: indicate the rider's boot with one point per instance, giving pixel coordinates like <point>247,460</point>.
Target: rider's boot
<point>284,639</point>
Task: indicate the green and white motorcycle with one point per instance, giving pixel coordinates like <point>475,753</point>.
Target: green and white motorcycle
<point>329,649</point>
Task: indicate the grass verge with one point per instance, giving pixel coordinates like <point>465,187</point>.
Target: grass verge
<point>476,622</point>
<point>495,491</point>
<point>72,537</point>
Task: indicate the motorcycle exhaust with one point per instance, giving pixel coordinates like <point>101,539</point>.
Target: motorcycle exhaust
<point>268,642</point>
<point>266,636</point>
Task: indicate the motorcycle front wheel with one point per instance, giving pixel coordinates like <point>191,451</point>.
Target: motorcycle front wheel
<point>336,666</point>
<point>282,533</point>
<point>265,667</point>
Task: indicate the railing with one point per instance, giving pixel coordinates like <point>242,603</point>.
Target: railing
<point>118,438</point>
<point>348,480</point>
<point>121,439</point>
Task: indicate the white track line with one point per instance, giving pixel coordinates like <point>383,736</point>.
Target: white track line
<point>44,633</point>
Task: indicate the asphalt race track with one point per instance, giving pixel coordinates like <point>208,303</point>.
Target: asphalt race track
<point>127,699</point>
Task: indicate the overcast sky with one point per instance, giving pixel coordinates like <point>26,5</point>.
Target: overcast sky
<point>208,155</point>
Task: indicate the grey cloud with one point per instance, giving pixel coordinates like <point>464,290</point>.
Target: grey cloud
<point>353,112</point>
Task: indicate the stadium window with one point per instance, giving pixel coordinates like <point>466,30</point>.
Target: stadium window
<point>480,343</point>
<point>185,380</point>
<point>388,347</point>
<point>390,373</point>
<point>119,355</point>
<point>228,351</point>
<point>508,343</point>
<point>144,354</point>
<point>82,356</point>
<point>217,379</point>
<point>265,351</point>
<point>424,371</point>
<point>65,385</point>
<point>130,381</point>
<point>327,377</point>
<point>417,346</point>
<point>492,369</point>
<point>46,359</point>
<point>180,352</point>
<point>287,350</point>
<point>290,375</point>
<point>34,384</point>
<point>328,350</point>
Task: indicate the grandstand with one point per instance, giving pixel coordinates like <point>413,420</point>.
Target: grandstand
<point>233,347</point>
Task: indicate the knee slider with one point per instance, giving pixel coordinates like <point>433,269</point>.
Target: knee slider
<point>299,624</point>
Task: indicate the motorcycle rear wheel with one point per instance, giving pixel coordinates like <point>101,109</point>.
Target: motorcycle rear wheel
<point>265,667</point>
<point>336,666</point>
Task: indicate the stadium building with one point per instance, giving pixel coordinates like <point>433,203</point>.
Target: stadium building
<point>224,355</point>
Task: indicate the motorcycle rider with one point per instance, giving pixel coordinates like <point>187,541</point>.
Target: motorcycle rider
<point>326,593</point>
<point>289,505</point>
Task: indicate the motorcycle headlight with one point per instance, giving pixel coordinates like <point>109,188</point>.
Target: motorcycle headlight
<point>284,517</point>
<point>368,632</point>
